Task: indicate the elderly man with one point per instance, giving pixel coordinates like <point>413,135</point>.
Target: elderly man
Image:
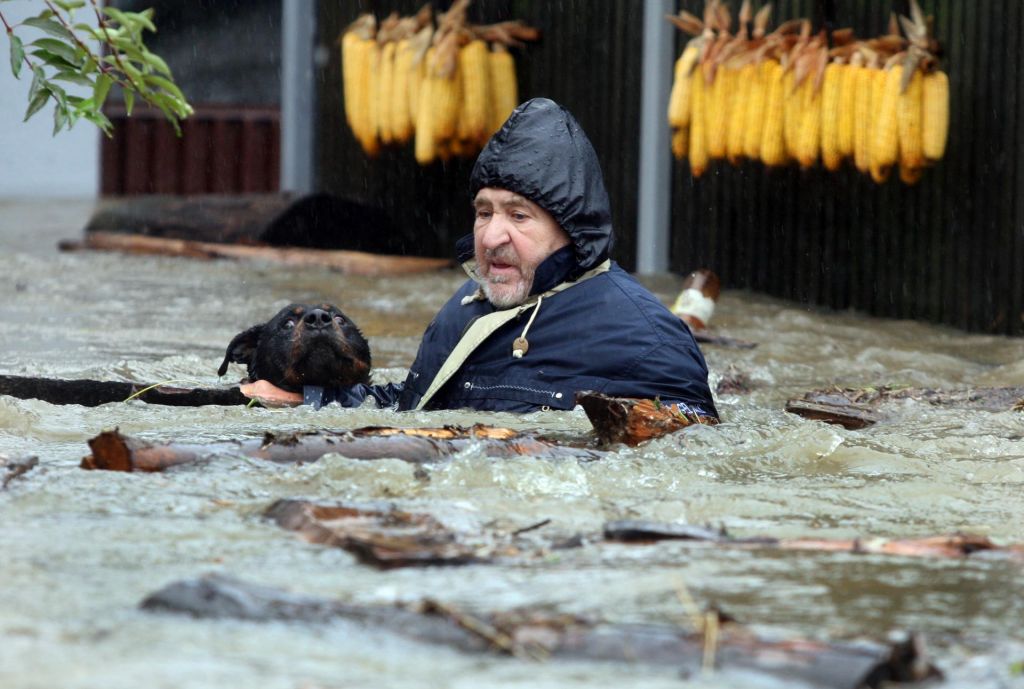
<point>545,313</point>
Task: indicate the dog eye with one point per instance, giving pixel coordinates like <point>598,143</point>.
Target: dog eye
<point>288,324</point>
<point>339,319</point>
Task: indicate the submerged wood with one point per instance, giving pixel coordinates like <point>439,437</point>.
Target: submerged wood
<point>91,393</point>
<point>633,421</point>
<point>946,546</point>
<point>115,452</point>
<point>386,538</point>
<point>856,408</point>
<point>345,261</point>
<point>536,634</point>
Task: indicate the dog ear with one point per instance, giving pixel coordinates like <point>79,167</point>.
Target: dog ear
<point>242,349</point>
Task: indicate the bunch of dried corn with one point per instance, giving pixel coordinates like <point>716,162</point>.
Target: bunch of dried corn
<point>787,96</point>
<point>446,88</point>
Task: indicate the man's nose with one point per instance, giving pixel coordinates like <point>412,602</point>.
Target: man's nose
<point>495,232</point>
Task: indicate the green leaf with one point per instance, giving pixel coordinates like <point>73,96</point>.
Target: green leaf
<point>68,5</point>
<point>17,54</point>
<point>73,78</point>
<point>50,26</point>
<point>167,85</point>
<point>36,103</point>
<point>55,61</point>
<point>38,77</point>
<point>61,48</point>
<point>156,62</point>
<point>129,101</point>
<point>100,120</point>
<point>60,118</point>
<point>102,88</point>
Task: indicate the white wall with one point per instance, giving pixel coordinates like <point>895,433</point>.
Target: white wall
<point>34,163</point>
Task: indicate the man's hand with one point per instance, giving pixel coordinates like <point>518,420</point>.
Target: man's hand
<point>270,395</point>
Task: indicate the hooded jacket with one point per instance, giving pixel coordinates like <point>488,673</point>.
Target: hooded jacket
<point>606,332</point>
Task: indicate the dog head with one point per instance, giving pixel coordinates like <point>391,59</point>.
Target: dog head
<point>303,345</point>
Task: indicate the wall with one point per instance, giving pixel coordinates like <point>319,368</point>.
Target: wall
<point>34,163</point>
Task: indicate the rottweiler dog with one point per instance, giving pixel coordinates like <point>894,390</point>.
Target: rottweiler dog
<point>303,345</point>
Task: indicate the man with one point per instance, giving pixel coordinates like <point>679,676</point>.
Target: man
<point>546,313</point>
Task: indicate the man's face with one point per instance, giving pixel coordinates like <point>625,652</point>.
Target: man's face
<point>512,236</point>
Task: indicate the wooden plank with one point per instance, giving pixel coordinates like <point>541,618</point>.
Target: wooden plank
<point>92,393</point>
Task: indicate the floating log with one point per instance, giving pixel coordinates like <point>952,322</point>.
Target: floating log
<point>633,421</point>
<point>536,634</point>
<point>92,393</point>
<point>115,452</point>
<point>386,538</point>
<point>311,221</point>
<point>850,416</point>
<point>13,467</point>
<point>947,546</point>
<point>350,262</point>
<point>856,408</point>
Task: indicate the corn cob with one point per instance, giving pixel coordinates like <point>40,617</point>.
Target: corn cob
<point>935,115</point>
<point>444,93</point>
<point>680,142</point>
<point>505,89</point>
<point>679,98</point>
<point>401,121</point>
<point>476,99</point>
<point>383,89</point>
<point>349,71</point>
<point>741,81</point>
<point>425,147</point>
<point>369,139</point>
<point>791,119</point>
<point>773,142</point>
<point>698,124</point>
<point>831,92</point>
<point>885,139</point>
<point>864,118</point>
<point>909,122</point>
<point>847,110</point>
<point>753,127</point>
<point>809,136</point>
<point>718,103</point>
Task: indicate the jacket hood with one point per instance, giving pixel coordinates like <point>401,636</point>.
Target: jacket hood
<point>542,154</point>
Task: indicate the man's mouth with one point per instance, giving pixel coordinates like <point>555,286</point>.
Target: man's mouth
<point>499,269</point>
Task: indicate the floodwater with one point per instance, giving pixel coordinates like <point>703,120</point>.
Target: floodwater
<point>79,550</point>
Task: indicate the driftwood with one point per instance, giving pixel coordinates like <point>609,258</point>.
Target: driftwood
<point>633,421</point>
<point>115,452</point>
<point>91,393</point>
<point>532,634</point>
<point>949,546</point>
<point>856,408</point>
<point>13,467</point>
<point>312,221</point>
<point>345,261</point>
<point>384,538</point>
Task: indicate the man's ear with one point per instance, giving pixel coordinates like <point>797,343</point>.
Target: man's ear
<point>242,349</point>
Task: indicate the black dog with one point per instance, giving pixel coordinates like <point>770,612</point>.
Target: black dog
<point>303,345</point>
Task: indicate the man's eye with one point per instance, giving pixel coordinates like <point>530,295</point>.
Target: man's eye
<point>483,214</point>
<point>519,216</point>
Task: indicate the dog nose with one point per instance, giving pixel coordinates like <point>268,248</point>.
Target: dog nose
<point>317,318</point>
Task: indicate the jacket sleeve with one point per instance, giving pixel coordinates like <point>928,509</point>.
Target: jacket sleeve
<point>383,395</point>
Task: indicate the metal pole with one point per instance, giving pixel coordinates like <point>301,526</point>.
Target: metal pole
<point>298,37</point>
<point>655,161</point>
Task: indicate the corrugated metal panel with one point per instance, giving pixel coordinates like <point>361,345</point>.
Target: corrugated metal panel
<point>588,59</point>
<point>221,150</point>
<point>950,249</point>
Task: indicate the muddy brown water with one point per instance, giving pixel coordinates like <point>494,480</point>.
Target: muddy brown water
<point>79,550</point>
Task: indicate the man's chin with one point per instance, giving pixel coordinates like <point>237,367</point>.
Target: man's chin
<point>505,294</point>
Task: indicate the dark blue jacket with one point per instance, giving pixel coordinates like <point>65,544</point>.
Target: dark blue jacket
<point>608,333</point>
